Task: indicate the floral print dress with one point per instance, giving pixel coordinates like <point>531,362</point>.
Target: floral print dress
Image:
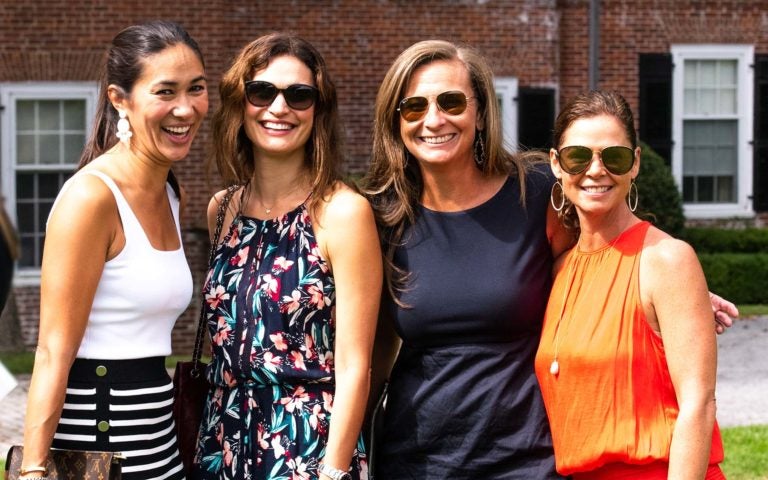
<point>270,310</point>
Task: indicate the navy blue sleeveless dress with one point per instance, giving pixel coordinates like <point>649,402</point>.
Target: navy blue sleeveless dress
<point>464,402</point>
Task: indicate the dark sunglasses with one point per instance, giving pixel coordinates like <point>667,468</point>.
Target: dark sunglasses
<point>575,159</point>
<point>414,108</point>
<point>262,94</point>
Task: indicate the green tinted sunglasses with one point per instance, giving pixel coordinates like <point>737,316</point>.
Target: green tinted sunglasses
<point>575,159</point>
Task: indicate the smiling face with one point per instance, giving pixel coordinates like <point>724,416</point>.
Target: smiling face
<point>439,139</point>
<point>166,105</point>
<point>278,130</point>
<point>596,190</point>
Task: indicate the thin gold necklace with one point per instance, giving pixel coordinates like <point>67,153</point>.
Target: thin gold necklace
<point>268,209</point>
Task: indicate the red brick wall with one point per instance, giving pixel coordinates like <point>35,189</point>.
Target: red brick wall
<point>52,40</point>
<point>631,27</point>
<point>541,42</point>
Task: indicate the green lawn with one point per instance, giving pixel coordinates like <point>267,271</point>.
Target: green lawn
<point>751,310</point>
<point>746,452</point>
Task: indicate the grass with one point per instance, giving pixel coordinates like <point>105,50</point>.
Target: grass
<point>752,310</point>
<point>746,452</point>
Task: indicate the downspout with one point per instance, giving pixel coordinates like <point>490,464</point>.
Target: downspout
<point>594,44</point>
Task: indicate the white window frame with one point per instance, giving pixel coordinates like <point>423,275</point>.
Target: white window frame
<point>506,91</point>
<point>10,93</point>
<point>744,56</point>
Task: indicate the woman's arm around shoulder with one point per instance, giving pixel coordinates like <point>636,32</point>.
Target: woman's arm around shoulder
<point>676,302</point>
<point>348,240</point>
<point>83,232</point>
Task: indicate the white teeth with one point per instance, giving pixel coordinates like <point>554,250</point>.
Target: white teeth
<point>178,130</point>
<point>597,189</point>
<point>436,140</point>
<point>277,126</point>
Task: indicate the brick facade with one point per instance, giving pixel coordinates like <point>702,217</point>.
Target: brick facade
<point>544,43</point>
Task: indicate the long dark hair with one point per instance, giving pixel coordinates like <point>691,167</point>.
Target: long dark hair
<point>232,151</point>
<point>125,60</point>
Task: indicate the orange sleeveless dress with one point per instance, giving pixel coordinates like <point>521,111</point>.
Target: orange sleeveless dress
<point>611,407</point>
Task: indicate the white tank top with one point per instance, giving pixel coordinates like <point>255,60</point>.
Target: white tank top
<point>141,293</point>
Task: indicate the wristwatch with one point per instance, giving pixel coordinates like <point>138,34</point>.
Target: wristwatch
<point>333,473</point>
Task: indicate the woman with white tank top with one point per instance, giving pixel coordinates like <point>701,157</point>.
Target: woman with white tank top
<point>114,274</point>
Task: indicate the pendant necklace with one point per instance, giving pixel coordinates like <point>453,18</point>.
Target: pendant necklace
<point>268,209</point>
<point>554,367</point>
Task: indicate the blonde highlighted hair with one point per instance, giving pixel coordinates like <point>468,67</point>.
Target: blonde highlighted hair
<point>394,184</point>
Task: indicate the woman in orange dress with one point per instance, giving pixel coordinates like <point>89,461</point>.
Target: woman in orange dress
<point>627,359</point>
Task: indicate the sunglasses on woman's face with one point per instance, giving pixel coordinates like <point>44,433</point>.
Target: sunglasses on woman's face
<point>575,159</point>
<point>414,108</point>
<point>297,96</point>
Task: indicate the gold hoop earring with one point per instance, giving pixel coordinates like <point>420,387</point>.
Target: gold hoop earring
<point>558,208</point>
<point>632,203</point>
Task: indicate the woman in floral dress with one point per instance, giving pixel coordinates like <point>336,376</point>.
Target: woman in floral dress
<point>294,289</point>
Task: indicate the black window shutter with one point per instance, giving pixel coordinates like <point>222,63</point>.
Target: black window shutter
<point>760,146</point>
<point>536,117</point>
<point>655,103</point>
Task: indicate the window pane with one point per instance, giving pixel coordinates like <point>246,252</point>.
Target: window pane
<point>690,75</point>
<point>48,111</point>
<point>707,101</point>
<point>689,192</point>
<point>25,115</point>
<point>26,217</point>
<point>25,186</point>
<point>45,148</point>
<point>690,102</point>
<point>49,149</point>
<point>73,147</point>
<point>727,72</point>
<point>48,186</point>
<point>704,190</point>
<point>35,195</point>
<point>725,188</point>
<point>25,149</point>
<point>28,249</point>
<point>727,101</point>
<point>710,161</point>
<point>43,210</point>
<point>74,114</point>
<point>707,73</point>
<point>710,87</point>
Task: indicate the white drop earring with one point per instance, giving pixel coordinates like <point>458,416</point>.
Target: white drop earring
<point>124,129</point>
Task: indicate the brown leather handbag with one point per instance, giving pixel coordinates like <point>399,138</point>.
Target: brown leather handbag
<point>70,465</point>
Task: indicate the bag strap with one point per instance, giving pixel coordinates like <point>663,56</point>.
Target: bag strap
<point>197,352</point>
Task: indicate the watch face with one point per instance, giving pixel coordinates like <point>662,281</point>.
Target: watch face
<point>346,476</point>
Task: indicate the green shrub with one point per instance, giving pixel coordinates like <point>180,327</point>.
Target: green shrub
<point>660,201</point>
<point>739,277</point>
<point>715,240</point>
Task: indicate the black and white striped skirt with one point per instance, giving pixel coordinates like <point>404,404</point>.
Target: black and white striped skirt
<point>123,406</point>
